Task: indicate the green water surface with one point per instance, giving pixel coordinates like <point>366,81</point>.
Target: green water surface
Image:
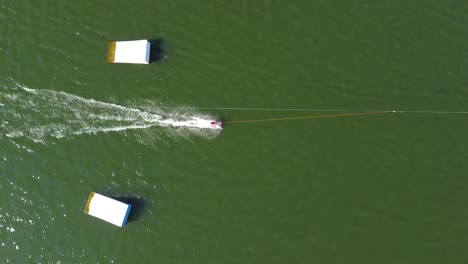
<point>388,188</point>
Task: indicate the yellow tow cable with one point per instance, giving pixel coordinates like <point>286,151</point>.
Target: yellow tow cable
<point>305,117</point>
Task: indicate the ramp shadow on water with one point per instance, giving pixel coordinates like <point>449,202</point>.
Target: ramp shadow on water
<point>157,50</point>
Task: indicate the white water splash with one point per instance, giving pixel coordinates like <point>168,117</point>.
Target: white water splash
<point>38,114</point>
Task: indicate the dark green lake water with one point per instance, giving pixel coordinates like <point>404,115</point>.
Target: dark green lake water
<point>388,188</point>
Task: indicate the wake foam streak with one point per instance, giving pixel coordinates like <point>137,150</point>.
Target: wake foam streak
<point>38,114</point>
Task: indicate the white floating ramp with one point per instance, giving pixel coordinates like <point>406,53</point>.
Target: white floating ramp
<point>107,209</point>
<point>134,51</point>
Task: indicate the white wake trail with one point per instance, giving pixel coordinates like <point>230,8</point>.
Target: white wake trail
<point>38,114</point>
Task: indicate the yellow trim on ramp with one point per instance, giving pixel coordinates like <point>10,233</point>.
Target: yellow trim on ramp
<point>111,52</point>
<point>86,209</point>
